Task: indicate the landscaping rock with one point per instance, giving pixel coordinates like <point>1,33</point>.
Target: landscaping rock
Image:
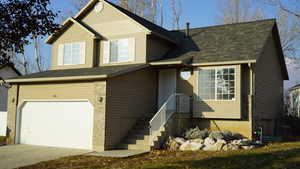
<point>180,140</point>
<point>209,141</point>
<point>197,140</point>
<point>221,141</point>
<point>191,146</point>
<point>214,147</point>
<point>248,147</point>
<point>241,142</point>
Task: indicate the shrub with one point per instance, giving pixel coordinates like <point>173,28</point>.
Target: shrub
<point>228,135</point>
<point>196,133</point>
<point>216,135</point>
<point>237,136</point>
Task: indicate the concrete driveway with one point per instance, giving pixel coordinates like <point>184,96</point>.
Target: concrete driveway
<point>14,156</point>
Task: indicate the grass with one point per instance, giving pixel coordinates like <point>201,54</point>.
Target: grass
<point>273,156</point>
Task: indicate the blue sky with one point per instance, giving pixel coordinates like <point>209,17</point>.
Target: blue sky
<point>199,13</point>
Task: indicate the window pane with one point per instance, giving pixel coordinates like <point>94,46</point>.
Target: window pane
<point>76,53</point>
<point>119,50</point>
<point>123,50</point>
<point>221,88</point>
<point>207,84</point>
<point>67,54</point>
<point>72,53</point>
<point>113,51</point>
<point>225,84</point>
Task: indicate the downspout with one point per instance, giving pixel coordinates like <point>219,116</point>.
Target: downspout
<point>251,97</point>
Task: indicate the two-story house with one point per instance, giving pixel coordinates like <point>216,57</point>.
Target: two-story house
<point>120,81</point>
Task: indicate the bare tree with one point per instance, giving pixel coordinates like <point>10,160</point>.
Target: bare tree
<point>289,28</point>
<point>176,7</point>
<point>38,55</point>
<point>147,9</point>
<point>77,5</point>
<point>161,8</point>
<point>235,11</point>
<point>288,19</point>
<point>291,6</point>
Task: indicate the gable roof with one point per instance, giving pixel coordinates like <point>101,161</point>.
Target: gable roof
<point>151,27</point>
<point>157,30</point>
<point>225,44</point>
<point>65,25</point>
<point>78,74</point>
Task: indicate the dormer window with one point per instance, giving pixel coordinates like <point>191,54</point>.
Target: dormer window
<point>119,51</point>
<point>71,53</point>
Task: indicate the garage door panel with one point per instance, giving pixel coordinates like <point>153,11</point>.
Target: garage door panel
<point>59,124</point>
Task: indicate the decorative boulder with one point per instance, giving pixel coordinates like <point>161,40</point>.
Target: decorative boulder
<point>191,146</point>
<point>209,141</point>
<point>221,141</point>
<point>179,140</point>
<point>217,146</point>
<point>248,147</point>
<point>214,147</point>
<point>241,142</point>
<point>198,140</point>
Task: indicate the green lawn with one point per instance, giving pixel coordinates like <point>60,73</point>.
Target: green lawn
<point>275,156</point>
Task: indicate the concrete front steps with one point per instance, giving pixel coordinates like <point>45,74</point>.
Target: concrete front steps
<point>139,137</point>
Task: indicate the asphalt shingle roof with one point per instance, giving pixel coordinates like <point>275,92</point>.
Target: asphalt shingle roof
<point>223,43</point>
<point>104,70</point>
<point>231,42</point>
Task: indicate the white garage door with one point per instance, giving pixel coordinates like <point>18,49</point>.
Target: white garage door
<point>66,124</point>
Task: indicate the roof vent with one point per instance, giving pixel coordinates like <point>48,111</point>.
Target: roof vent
<point>187,29</point>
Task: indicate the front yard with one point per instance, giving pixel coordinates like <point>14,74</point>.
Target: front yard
<point>274,156</point>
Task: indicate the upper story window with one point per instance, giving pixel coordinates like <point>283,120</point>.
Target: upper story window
<point>71,53</point>
<point>118,51</point>
<point>217,84</point>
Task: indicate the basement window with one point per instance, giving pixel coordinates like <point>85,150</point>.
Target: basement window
<point>217,84</point>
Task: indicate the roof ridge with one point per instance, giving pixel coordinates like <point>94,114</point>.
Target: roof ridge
<point>239,23</point>
<point>136,15</point>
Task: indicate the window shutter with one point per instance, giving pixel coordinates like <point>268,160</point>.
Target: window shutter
<point>106,51</point>
<point>131,49</point>
<point>60,59</point>
<point>82,53</point>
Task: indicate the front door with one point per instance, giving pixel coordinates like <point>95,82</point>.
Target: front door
<point>167,85</point>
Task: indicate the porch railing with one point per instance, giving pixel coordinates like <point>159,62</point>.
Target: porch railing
<point>176,103</point>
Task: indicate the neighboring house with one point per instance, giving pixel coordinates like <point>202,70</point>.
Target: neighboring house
<point>6,71</point>
<point>115,75</point>
<point>293,101</point>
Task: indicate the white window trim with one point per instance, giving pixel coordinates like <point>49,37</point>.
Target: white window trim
<point>61,56</point>
<point>106,44</point>
<point>216,98</point>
